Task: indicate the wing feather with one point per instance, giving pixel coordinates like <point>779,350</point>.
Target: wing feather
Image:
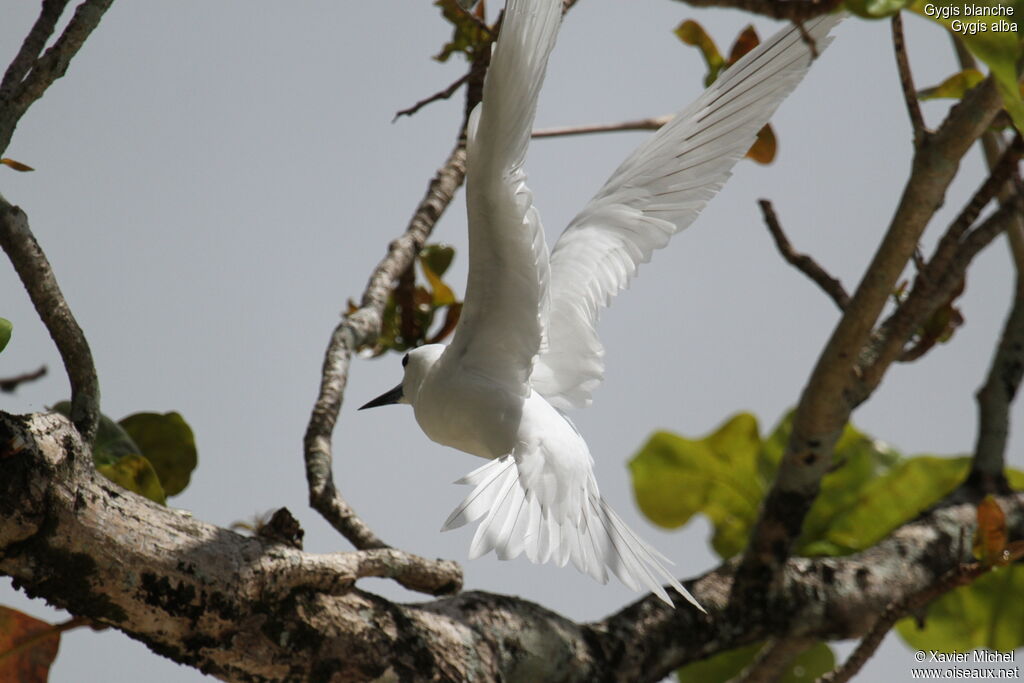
<point>658,191</point>
<point>500,329</point>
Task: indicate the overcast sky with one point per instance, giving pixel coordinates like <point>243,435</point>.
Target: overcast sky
<point>214,180</point>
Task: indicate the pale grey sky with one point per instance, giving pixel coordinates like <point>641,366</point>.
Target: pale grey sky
<point>215,179</point>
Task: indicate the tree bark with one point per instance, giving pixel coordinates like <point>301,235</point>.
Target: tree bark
<point>246,609</point>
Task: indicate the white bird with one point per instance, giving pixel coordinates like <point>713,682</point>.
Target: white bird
<point>526,348</point>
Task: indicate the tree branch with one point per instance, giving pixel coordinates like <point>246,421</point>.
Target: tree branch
<point>960,575</point>
<point>653,123</point>
<point>907,80</point>
<point>35,272</point>
<point>835,387</point>
<point>440,95</point>
<point>243,608</point>
<point>356,330</point>
<point>9,385</point>
<point>802,262</point>
<point>28,76</point>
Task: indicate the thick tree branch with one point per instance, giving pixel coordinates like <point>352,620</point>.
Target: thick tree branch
<point>960,575</point>
<point>243,608</point>
<point>28,76</point>
<point>35,272</point>
<point>802,262</point>
<point>835,387</point>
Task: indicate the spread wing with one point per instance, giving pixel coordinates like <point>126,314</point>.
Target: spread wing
<point>659,190</point>
<point>500,329</point>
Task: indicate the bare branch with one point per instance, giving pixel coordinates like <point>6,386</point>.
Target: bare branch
<point>653,123</point>
<point>9,385</point>
<point>22,84</point>
<point>440,95</point>
<point>35,272</point>
<point>802,262</point>
<point>33,44</point>
<point>907,80</point>
<point>957,576</point>
<point>357,330</point>
<point>836,384</point>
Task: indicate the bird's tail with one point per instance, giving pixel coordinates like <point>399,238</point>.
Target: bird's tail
<point>583,528</point>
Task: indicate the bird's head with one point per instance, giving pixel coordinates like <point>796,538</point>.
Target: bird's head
<point>417,364</point>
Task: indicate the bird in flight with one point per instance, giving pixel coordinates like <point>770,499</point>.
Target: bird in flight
<point>526,349</point>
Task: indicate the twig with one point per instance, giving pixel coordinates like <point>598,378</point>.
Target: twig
<point>9,385</point>
<point>24,83</point>
<point>36,274</point>
<point>907,80</point>
<point>960,575</point>
<point>653,123</point>
<point>357,330</point>
<point>802,262</point>
<point>440,95</point>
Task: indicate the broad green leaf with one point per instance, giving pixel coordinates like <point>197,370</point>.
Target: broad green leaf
<point>994,40</point>
<point>692,33</point>
<point>875,9</point>
<point>166,441</point>
<point>135,473</point>
<point>675,478</point>
<point>808,666</point>
<point>28,647</point>
<point>985,614</point>
<point>953,87</point>
<point>888,501</point>
<point>5,332</point>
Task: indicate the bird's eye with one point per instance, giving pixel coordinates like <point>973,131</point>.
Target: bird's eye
<point>405,360</point>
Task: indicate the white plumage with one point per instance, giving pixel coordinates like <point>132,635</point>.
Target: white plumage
<point>526,347</point>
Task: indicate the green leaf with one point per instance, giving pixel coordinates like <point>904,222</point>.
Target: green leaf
<point>167,442</point>
<point>675,478</point>
<point>470,34</point>
<point>985,614</point>
<point>438,257</point>
<point>808,666</point>
<point>5,332</point>
<point>441,294</point>
<point>994,40</point>
<point>692,33</point>
<point>953,87</point>
<point>135,473</point>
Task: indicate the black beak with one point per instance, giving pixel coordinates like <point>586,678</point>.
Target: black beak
<point>385,399</point>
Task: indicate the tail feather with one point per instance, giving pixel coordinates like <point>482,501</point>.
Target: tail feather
<point>592,536</point>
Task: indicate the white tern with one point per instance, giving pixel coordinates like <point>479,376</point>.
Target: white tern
<point>526,349</point>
